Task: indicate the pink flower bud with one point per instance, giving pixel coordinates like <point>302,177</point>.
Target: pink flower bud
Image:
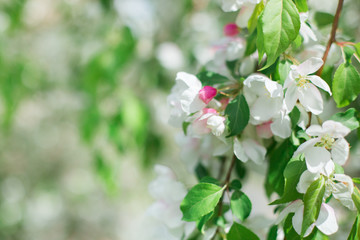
<point>263,130</point>
<point>207,93</point>
<point>231,29</point>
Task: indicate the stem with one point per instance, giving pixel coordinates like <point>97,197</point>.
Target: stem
<point>332,34</point>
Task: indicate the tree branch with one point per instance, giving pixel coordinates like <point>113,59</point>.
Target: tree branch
<point>332,34</point>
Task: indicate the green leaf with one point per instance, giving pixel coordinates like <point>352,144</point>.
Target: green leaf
<point>292,174</point>
<point>280,24</point>
<point>346,85</point>
<point>185,126</point>
<point>323,19</point>
<point>349,52</point>
<point>347,118</point>
<point>357,49</point>
<point>260,38</point>
<point>282,71</point>
<point>235,184</point>
<point>251,44</point>
<point>294,117</point>
<point>200,171</point>
<point>355,230</point>
<point>313,199</point>
<point>356,198</point>
<point>208,78</point>
<point>253,20</point>
<point>240,205</point>
<point>356,180</point>
<point>272,235</point>
<point>279,158</point>
<point>201,223</point>
<point>238,115</point>
<point>239,232</point>
<point>200,200</point>
<point>302,5</point>
<point>208,179</point>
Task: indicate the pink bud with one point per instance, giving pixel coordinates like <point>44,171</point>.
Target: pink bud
<point>263,130</point>
<point>207,93</point>
<point>231,29</point>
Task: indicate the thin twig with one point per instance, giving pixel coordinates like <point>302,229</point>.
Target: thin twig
<point>332,34</point>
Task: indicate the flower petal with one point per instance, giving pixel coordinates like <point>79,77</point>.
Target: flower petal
<point>326,221</point>
<point>305,145</point>
<point>335,129</point>
<point>264,108</point>
<point>315,130</point>
<point>305,180</point>
<point>320,83</point>
<point>310,98</point>
<point>310,66</point>
<point>297,222</point>
<point>254,151</point>
<point>340,151</point>
<point>316,158</point>
<point>239,151</point>
<point>291,96</point>
<point>281,127</point>
<point>343,189</point>
<point>292,207</point>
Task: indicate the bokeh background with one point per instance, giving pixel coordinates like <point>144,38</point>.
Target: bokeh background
<point>83,115</point>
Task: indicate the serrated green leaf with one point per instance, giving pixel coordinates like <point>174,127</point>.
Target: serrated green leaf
<point>313,199</point>
<point>356,198</point>
<point>292,174</point>
<point>200,200</point>
<point>355,230</point>
<point>302,5</point>
<point>240,205</point>
<point>238,115</point>
<point>346,85</point>
<point>282,71</point>
<point>208,78</point>
<point>347,118</point>
<point>239,232</point>
<point>280,24</point>
<point>323,19</point>
<point>253,20</point>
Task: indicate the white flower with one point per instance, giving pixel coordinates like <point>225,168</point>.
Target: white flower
<point>264,98</point>
<point>234,5</point>
<point>326,221</point>
<point>305,30</point>
<point>328,137</point>
<point>206,121</point>
<point>249,149</point>
<point>339,185</point>
<point>184,98</point>
<point>300,85</point>
<point>281,124</point>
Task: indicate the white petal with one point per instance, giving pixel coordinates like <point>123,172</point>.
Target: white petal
<point>304,117</point>
<point>343,189</point>
<point>310,66</point>
<point>281,127</point>
<point>216,124</point>
<point>320,83</point>
<point>305,145</point>
<point>310,98</point>
<point>264,108</point>
<point>230,5</point>
<point>292,207</point>
<point>274,88</point>
<point>335,129</point>
<point>306,32</point>
<point>326,221</point>
<point>316,158</point>
<point>255,83</point>
<point>291,96</point>
<point>297,222</point>
<point>239,151</point>
<point>315,130</point>
<point>329,168</point>
<point>254,151</point>
<point>305,180</point>
<point>340,151</point>
<point>244,15</point>
<point>191,81</point>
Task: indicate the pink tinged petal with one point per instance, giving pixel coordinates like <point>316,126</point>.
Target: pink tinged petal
<point>340,151</point>
<point>209,110</point>
<point>291,96</point>
<point>309,143</point>
<point>298,219</point>
<point>207,93</point>
<point>216,124</point>
<point>320,83</point>
<point>231,29</point>
<point>239,151</point>
<point>343,189</point>
<point>310,66</point>
<point>254,151</point>
<point>310,98</point>
<point>264,130</point>
<point>335,129</point>
<point>326,221</point>
<point>315,130</point>
<point>281,127</point>
<point>292,207</point>
<point>305,180</point>
<point>199,126</point>
<point>316,158</point>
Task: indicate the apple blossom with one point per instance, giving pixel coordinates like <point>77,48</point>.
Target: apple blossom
<point>300,85</point>
<point>305,30</point>
<point>234,5</point>
<point>328,137</point>
<point>249,149</point>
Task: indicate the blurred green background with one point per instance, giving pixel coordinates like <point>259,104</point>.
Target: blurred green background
<point>83,115</point>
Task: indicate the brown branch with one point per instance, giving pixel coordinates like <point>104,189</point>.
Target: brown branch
<point>332,34</point>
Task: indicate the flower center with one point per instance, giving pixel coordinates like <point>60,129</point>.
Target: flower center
<point>326,141</point>
<point>301,81</point>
